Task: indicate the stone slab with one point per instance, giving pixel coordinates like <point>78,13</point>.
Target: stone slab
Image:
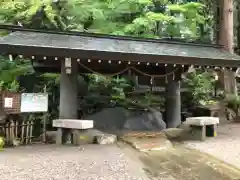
<point>202,121</point>
<point>149,144</point>
<point>73,123</point>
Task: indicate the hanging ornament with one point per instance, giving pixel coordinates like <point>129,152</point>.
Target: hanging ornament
<point>10,57</point>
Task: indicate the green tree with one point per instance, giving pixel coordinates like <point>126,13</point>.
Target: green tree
<point>147,18</point>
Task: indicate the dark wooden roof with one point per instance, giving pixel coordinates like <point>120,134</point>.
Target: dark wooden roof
<point>115,48</point>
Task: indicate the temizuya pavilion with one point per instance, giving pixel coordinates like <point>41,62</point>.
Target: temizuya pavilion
<point>71,53</point>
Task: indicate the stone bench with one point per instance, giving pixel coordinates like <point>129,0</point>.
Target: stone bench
<point>203,126</point>
<point>75,127</point>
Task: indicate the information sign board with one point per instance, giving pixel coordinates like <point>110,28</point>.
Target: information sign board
<point>34,102</point>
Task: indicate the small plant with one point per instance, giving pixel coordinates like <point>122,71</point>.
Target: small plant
<point>200,86</point>
<point>2,142</point>
<point>233,102</point>
<point>13,86</point>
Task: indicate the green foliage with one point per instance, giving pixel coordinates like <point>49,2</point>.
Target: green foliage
<point>9,71</point>
<point>145,18</point>
<point>104,92</point>
<point>2,143</point>
<point>24,12</point>
<point>233,102</point>
<point>200,86</point>
<point>119,87</point>
<point>173,20</point>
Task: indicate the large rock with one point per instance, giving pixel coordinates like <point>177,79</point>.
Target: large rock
<point>158,117</point>
<point>106,139</point>
<point>152,120</point>
<point>109,118</point>
<point>119,118</point>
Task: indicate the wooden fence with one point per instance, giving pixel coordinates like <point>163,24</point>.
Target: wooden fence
<point>17,133</point>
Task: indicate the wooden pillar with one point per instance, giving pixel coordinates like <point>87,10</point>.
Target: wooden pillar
<point>173,101</point>
<point>68,108</point>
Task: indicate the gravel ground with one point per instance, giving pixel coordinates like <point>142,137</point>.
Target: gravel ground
<point>50,162</point>
<point>226,146</point>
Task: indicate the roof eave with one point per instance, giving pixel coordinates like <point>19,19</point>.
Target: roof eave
<point>87,54</point>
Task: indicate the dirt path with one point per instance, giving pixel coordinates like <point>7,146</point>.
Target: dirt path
<point>181,163</point>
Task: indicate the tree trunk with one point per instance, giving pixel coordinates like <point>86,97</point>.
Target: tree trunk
<point>225,39</point>
<point>238,27</point>
<point>226,25</point>
<point>217,18</point>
